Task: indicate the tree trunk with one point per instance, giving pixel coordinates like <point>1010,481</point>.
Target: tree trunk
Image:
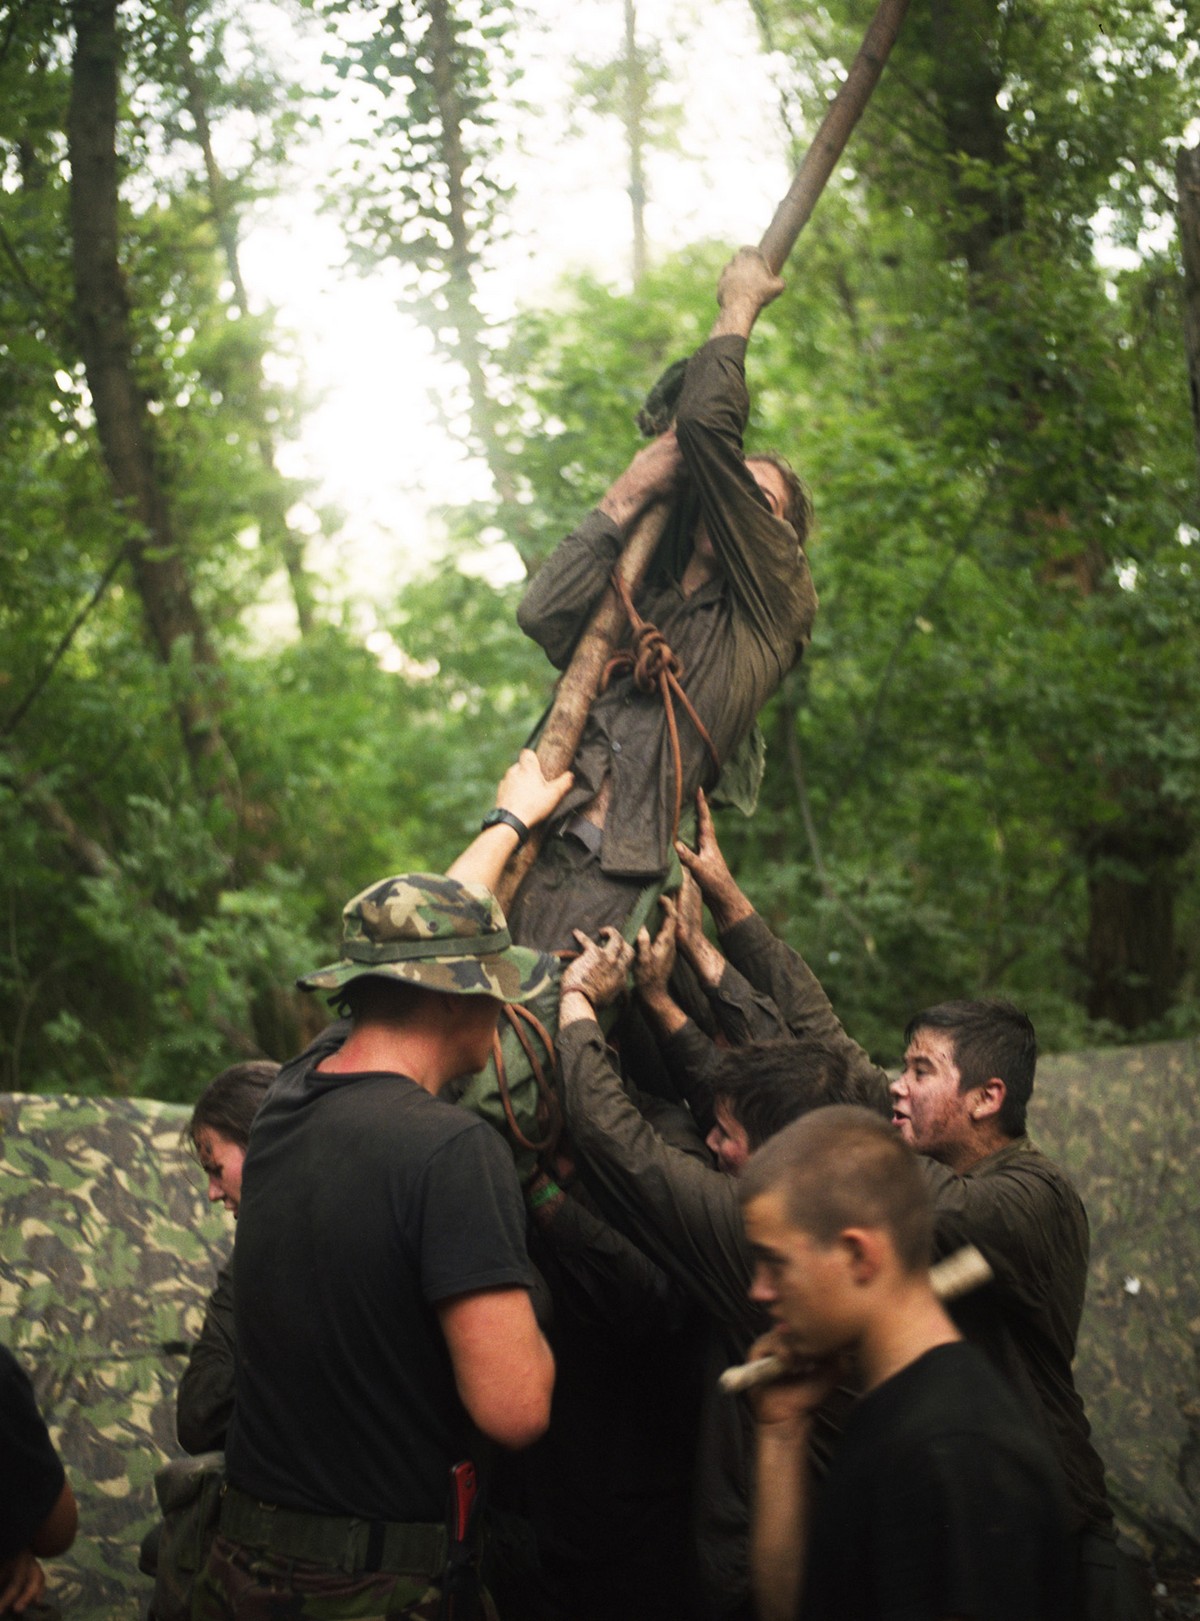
<point>1187,178</point>
<point>1133,965</point>
<point>968,76</point>
<point>123,421</point>
<point>828,144</point>
<point>278,538</point>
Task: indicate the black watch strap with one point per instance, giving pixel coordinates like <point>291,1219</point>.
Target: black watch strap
<point>496,816</point>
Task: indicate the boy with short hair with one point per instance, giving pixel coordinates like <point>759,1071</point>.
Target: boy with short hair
<point>941,1500</point>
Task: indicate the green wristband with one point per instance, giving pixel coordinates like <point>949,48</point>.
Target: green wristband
<point>545,1195</point>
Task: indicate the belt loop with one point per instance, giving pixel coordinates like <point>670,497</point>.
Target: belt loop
<point>373,1559</point>
<point>354,1549</point>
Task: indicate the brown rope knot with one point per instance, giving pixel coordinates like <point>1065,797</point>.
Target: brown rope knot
<point>656,668</point>
<point>649,660</point>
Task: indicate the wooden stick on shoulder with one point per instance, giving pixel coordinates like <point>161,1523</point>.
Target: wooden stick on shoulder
<point>956,1275</point>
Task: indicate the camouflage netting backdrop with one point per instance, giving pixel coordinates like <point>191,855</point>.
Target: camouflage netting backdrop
<point>1124,1123</point>
<point>108,1251</point>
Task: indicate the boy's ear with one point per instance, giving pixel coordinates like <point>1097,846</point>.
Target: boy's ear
<point>864,1250</point>
<point>988,1100</point>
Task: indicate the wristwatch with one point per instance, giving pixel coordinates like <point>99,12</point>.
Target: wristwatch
<point>496,816</point>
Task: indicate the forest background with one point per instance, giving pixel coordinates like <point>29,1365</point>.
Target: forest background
<point>985,776</point>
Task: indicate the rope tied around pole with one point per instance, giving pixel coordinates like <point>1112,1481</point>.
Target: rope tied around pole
<point>654,666</point>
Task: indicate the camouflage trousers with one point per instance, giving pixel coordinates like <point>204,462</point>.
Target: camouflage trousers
<point>250,1584</point>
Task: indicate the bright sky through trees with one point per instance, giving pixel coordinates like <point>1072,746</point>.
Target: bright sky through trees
<point>984,775</point>
<point>373,444</point>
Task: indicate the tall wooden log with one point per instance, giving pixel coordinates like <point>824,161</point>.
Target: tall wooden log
<point>566,720</point>
<point>564,727</point>
<point>829,143</point>
<point>1187,176</point>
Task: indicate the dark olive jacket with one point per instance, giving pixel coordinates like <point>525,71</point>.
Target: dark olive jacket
<point>737,636</point>
<point>685,1215</point>
<point>204,1404</point>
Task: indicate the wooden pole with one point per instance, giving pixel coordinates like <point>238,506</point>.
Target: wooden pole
<point>843,112</point>
<point>581,681</point>
<point>564,726</point>
<point>565,722</point>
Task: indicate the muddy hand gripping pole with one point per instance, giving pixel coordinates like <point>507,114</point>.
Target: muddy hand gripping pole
<point>581,681</point>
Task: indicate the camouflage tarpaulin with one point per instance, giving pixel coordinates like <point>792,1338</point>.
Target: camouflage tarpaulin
<point>107,1253</point>
<point>1124,1123</point>
<point>108,1250</point>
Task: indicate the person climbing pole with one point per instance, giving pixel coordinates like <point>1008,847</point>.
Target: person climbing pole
<point>725,611</point>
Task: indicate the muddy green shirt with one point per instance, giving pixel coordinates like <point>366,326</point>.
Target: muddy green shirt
<point>1017,1207</point>
<point>737,636</point>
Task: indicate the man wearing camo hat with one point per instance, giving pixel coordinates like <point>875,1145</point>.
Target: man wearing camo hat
<point>381,1292</point>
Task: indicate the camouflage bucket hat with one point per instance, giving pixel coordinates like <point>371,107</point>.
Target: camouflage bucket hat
<point>426,929</point>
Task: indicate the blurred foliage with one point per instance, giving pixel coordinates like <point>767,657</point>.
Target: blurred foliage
<point>994,728</point>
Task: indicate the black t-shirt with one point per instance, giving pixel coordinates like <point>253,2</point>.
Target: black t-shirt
<point>31,1474</point>
<point>365,1202</point>
<point>941,1501</point>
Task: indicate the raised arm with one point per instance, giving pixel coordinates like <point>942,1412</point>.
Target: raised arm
<point>654,962</point>
<point>523,794</point>
<point>710,871</point>
<point>783,975</point>
<point>562,594</point>
<point>773,968</point>
<point>687,1051</point>
<point>745,288</point>
<point>742,1014</point>
<point>681,1212</point>
<point>757,545</point>
<point>652,475</point>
